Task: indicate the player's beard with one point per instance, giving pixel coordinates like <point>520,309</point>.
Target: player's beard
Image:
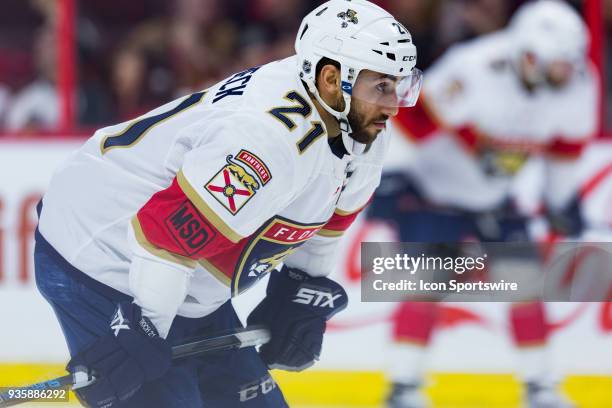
<point>359,127</point>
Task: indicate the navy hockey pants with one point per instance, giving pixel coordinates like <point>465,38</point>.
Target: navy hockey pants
<point>84,307</point>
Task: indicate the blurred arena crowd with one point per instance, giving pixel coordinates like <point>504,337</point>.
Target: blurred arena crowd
<point>136,55</point>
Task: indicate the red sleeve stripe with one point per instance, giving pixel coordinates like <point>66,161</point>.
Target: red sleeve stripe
<point>222,277</point>
<point>469,136</point>
<point>339,222</point>
<point>171,222</point>
<point>159,252</point>
<point>420,121</point>
<point>565,148</point>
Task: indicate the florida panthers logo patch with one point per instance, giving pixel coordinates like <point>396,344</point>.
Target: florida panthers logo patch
<point>267,248</point>
<point>265,265</point>
<point>233,186</point>
<point>348,16</point>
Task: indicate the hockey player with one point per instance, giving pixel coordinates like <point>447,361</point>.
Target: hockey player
<point>175,212</point>
<point>487,107</point>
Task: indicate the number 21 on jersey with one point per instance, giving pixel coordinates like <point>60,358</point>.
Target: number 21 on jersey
<point>301,108</point>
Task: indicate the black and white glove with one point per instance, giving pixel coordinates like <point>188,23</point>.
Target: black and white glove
<point>295,310</point>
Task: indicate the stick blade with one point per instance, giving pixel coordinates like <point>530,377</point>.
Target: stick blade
<point>253,337</point>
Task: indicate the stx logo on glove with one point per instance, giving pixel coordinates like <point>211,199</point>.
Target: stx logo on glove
<point>319,298</point>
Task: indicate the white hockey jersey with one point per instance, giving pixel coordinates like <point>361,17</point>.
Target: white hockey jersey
<point>476,125</point>
<point>225,183</point>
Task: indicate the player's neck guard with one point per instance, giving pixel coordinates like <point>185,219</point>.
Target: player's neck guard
<point>337,147</point>
<point>353,147</point>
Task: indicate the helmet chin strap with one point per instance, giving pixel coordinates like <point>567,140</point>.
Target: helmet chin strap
<point>352,146</point>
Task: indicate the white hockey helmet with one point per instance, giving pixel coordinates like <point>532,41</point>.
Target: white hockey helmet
<point>358,35</point>
<point>551,31</point>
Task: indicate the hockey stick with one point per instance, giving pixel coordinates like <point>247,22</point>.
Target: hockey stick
<point>236,340</point>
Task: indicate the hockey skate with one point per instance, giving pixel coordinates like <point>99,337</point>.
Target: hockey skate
<point>545,396</point>
<point>407,396</point>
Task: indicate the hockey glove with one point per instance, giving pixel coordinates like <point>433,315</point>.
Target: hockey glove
<point>131,354</point>
<point>295,310</point>
<point>568,221</point>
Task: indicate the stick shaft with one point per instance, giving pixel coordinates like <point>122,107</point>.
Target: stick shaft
<point>239,339</point>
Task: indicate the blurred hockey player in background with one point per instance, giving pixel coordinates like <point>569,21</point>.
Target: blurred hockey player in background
<point>595,175</point>
<point>157,223</point>
<point>596,193</point>
<point>488,106</point>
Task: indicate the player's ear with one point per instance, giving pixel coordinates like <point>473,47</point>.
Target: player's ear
<point>329,80</point>
<point>328,84</point>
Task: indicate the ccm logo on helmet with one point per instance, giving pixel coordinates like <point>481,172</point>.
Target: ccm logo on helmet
<point>409,58</point>
<point>307,296</point>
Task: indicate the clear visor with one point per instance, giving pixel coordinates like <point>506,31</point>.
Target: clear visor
<point>387,90</point>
